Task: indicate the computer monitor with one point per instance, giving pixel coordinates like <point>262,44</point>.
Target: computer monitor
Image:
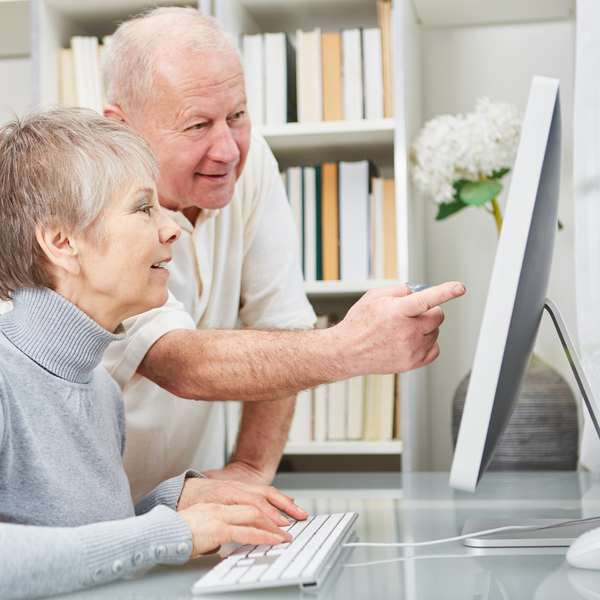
<point>517,293</point>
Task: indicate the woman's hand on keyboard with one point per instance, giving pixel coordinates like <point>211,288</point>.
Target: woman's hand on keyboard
<point>266,498</point>
<point>214,525</point>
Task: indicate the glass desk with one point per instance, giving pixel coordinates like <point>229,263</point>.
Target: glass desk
<point>414,507</point>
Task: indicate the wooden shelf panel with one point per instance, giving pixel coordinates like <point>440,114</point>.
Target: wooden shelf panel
<point>312,143</point>
<point>358,447</point>
<point>441,13</point>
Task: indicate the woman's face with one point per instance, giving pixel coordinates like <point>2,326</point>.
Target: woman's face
<point>128,275</point>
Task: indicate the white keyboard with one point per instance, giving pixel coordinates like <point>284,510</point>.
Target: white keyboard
<point>303,561</point>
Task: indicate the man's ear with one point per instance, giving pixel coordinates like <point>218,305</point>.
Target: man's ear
<point>112,111</point>
<point>58,246</point>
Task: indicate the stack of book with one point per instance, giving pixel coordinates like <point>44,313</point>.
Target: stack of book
<point>79,73</point>
<point>361,408</point>
<point>346,221</point>
<point>320,76</point>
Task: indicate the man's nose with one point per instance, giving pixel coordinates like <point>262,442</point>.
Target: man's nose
<point>223,147</point>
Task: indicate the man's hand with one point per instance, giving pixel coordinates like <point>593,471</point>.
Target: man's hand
<point>214,525</point>
<point>241,472</point>
<point>264,498</point>
<point>392,330</point>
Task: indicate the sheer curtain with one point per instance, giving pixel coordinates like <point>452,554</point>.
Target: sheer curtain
<point>586,172</point>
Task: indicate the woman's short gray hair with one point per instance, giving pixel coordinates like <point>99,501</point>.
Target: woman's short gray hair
<point>60,165</point>
<point>127,64</point>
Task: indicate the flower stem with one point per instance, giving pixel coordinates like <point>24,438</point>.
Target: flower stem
<point>497,215</point>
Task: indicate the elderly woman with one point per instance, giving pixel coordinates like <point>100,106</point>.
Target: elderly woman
<point>84,245</point>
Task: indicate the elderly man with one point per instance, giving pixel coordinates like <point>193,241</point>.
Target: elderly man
<point>176,77</point>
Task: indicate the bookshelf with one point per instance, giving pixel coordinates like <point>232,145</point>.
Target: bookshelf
<point>384,142</point>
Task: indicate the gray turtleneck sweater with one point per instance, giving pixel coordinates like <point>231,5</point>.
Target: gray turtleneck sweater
<point>68,519</point>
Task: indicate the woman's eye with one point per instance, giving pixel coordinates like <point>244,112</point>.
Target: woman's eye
<point>146,209</point>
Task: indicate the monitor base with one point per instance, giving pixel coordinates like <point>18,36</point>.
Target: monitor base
<point>562,536</point>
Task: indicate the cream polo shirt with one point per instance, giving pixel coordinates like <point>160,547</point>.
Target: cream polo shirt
<point>240,261</point>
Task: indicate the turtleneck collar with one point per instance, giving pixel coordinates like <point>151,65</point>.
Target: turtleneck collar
<point>56,335</point>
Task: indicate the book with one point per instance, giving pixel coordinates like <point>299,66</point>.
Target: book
<point>320,413</point>
<point>309,76</point>
<point>371,407</point>
<point>330,222</point>
<point>280,79</point>
<point>384,17</point>
<point>352,74</point>
<point>372,73</point>
<point>319,224</point>
<point>336,409</point>
<point>66,74</point>
<point>385,425</point>
<point>254,61</point>
<point>294,192</point>
<point>356,394</point>
<point>354,220</point>
<point>331,47</point>
<point>397,411</point>
<point>389,233</point>
<point>82,63</point>
<point>377,229</point>
<point>309,203</point>
<point>301,427</point>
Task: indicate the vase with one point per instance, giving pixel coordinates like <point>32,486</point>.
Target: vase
<point>543,432</point>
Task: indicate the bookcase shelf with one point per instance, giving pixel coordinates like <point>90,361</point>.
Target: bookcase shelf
<point>332,140</point>
<point>354,447</point>
<point>341,288</point>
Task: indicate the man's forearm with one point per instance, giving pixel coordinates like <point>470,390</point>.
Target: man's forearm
<point>247,365</point>
<point>389,330</point>
<point>260,443</point>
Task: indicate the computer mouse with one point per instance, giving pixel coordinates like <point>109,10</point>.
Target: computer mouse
<point>584,552</point>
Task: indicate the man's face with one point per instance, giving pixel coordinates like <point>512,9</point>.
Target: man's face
<point>199,129</point>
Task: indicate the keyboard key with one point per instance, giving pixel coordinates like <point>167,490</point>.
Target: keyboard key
<point>254,574</point>
<point>234,575</point>
<point>259,551</point>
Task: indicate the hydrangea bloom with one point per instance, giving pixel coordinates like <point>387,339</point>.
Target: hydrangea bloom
<point>464,147</point>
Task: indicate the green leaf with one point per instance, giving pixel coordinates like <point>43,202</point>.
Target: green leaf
<point>560,225</point>
<point>479,192</point>
<point>449,208</point>
<point>499,174</point>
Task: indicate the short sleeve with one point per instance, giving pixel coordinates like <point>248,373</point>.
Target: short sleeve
<point>122,358</point>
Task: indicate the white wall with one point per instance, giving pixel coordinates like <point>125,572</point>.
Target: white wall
<point>15,86</point>
<point>458,66</point>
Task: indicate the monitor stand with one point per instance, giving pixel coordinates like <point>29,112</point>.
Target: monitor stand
<point>557,537</point>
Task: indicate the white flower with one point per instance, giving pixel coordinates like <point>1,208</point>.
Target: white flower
<point>464,147</point>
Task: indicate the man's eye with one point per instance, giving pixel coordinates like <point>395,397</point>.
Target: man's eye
<point>237,115</point>
<point>198,126</point>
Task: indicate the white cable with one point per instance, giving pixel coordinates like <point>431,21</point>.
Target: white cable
<point>468,535</point>
<point>401,558</point>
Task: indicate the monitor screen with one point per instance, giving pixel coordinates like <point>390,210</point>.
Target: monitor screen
<point>518,288</point>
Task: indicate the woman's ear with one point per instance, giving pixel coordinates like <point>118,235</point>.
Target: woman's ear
<point>59,247</point>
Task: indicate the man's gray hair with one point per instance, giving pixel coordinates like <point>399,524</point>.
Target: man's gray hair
<point>127,64</point>
<point>60,165</point>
